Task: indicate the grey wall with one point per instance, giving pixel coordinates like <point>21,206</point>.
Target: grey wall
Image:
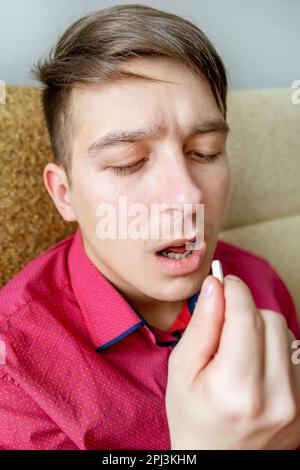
<point>259,40</point>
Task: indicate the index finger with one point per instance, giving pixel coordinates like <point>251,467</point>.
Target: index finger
<point>241,346</point>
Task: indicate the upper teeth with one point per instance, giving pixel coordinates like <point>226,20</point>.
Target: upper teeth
<point>176,255</point>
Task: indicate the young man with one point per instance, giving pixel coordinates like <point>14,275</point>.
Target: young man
<point>107,346</point>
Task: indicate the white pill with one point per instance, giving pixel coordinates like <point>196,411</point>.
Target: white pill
<point>217,270</point>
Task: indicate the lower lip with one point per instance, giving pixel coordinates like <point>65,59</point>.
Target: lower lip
<point>177,267</point>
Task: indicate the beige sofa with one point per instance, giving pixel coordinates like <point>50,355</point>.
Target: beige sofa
<point>263,213</point>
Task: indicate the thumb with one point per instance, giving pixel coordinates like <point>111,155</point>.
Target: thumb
<point>201,338</point>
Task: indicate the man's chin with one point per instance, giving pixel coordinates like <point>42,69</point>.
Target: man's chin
<point>174,289</point>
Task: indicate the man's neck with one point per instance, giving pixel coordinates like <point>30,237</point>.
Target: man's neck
<point>161,314</point>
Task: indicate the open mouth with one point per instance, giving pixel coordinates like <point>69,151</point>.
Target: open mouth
<point>176,259</point>
<point>179,250</point>
<point>175,252</point>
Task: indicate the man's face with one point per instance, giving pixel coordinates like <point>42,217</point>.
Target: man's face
<point>168,169</point>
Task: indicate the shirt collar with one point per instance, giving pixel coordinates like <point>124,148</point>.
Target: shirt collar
<point>108,315</point>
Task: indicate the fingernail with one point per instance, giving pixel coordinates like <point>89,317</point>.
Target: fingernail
<point>207,287</point>
<point>232,277</point>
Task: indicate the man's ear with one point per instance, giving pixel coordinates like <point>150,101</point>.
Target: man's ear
<point>57,185</point>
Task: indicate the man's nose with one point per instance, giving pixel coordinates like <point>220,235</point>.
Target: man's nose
<point>177,184</point>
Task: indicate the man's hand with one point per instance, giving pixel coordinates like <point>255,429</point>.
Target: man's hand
<point>231,382</point>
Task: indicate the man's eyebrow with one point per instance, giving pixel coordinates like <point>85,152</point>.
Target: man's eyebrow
<point>136,135</point>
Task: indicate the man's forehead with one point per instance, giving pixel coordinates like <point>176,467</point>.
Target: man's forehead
<point>152,74</point>
<point>94,102</point>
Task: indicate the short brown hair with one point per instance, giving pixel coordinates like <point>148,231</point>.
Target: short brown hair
<point>92,48</point>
